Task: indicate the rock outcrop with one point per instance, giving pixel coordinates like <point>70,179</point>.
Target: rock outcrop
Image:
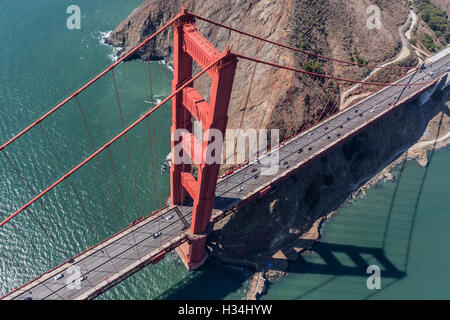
<point>279,98</point>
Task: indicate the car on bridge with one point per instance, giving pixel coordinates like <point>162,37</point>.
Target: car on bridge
<point>59,276</point>
<point>156,235</point>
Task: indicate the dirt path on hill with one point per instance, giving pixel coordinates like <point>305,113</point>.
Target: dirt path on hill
<point>403,54</point>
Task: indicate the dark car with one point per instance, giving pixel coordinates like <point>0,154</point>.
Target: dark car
<point>156,235</point>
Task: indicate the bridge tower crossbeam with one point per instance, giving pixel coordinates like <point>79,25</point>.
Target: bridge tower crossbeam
<point>190,45</point>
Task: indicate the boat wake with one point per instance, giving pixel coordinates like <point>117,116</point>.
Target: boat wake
<point>155,103</point>
<point>165,167</point>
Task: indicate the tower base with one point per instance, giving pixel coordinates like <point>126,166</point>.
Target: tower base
<point>193,255</point>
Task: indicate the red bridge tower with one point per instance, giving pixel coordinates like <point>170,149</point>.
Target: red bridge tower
<point>189,45</point>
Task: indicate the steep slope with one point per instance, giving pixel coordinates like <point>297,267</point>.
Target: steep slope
<point>279,99</point>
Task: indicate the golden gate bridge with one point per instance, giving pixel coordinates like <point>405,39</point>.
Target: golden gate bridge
<point>196,202</point>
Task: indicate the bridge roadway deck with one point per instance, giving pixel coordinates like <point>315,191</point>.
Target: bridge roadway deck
<point>125,253</point>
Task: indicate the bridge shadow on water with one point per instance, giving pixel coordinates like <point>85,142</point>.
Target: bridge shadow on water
<point>339,271</point>
<point>328,262</point>
<point>337,267</point>
<point>355,265</point>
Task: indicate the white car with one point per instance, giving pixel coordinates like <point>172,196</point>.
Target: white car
<point>83,278</point>
<point>169,217</point>
<point>59,276</point>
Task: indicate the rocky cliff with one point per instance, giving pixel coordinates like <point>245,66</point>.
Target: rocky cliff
<point>279,98</point>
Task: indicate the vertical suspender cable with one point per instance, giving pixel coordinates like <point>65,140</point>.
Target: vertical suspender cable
<point>214,34</point>
<point>154,137</point>
<point>271,97</point>
<point>133,175</point>
<point>240,125</point>
<point>100,167</point>
<point>121,193</point>
<point>328,102</point>
<point>75,191</point>
<point>40,201</point>
<point>26,271</point>
<point>31,243</point>
<point>245,110</point>
<point>151,160</point>
<point>305,124</point>
<point>318,96</point>
<point>156,161</point>
<point>154,128</point>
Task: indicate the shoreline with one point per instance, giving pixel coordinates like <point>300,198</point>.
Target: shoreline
<point>258,283</point>
<point>419,152</point>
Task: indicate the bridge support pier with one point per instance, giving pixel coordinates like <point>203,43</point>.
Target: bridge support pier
<point>190,46</point>
<point>193,253</point>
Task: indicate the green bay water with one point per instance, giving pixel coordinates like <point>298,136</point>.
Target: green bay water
<point>42,63</point>
<point>402,226</point>
<point>404,223</point>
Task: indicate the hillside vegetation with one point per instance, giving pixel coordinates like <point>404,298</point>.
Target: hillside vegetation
<point>437,20</point>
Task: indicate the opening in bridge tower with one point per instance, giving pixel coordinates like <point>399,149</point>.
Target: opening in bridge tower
<point>189,45</point>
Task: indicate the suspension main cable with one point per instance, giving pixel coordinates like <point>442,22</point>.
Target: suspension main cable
<point>296,49</point>
<point>110,142</point>
<point>328,76</point>
<point>84,87</point>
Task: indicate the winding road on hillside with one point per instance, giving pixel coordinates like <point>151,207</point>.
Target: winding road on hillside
<point>405,52</point>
